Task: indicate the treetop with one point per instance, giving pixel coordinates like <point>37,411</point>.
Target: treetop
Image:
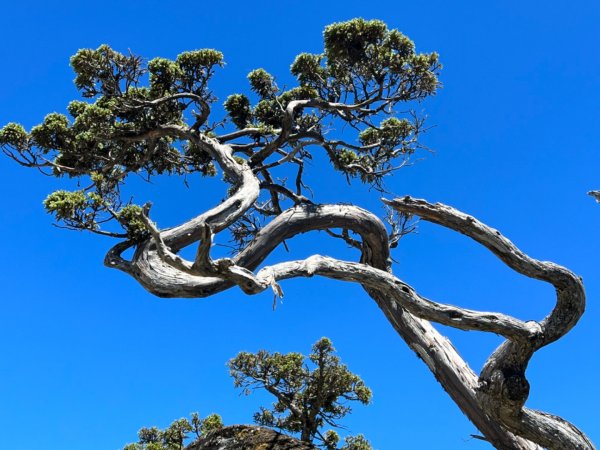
<point>157,117</point>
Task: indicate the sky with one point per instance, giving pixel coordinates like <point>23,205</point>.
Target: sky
<point>88,357</point>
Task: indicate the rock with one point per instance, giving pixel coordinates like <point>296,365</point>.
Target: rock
<point>247,437</point>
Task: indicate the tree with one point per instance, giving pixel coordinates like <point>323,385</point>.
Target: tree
<point>175,436</point>
<point>307,399</point>
<point>157,118</point>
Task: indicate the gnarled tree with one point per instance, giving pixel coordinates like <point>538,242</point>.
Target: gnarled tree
<point>157,118</point>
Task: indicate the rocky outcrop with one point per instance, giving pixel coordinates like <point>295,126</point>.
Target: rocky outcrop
<point>247,437</point>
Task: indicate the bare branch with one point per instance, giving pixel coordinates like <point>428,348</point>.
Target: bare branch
<point>403,295</point>
<point>503,388</point>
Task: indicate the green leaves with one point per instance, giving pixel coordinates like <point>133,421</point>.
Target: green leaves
<point>177,434</point>
<point>350,43</point>
<point>66,205</point>
<point>262,83</point>
<point>83,210</point>
<point>287,371</point>
<point>211,423</point>
<point>270,112</point>
<point>200,60</point>
<point>307,69</point>
<point>392,132</point>
<point>197,68</point>
<point>149,119</point>
<point>309,391</point>
<point>380,146</point>
<point>356,443</point>
<point>14,135</point>
<point>362,57</point>
<point>190,72</point>
<point>115,133</point>
<point>164,75</point>
<point>52,133</point>
<point>104,71</point>
<point>130,217</point>
<point>238,108</point>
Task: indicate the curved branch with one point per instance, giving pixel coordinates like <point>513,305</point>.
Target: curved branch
<point>162,279</point>
<point>438,353</point>
<point>277,188</point>
<point>483,401</point>
<point>200,119</point>
<point>503,388</point>
<point>401,293</point>
<point>238,133</point>
<point>290,111</point>
<point>228,211</point>
<point>569,288</point>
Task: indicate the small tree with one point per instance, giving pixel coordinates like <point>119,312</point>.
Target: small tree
<point>175,436</point>
<point>307,398</point>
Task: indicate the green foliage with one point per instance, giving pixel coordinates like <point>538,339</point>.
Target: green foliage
<point>310,392</point>
<point>104,71</point>
<point>177,434</point>
<point>164,74</point>
<point>269,112</point>
<point>130,217</point>
<point>87,210</point>
<point>212,422</point>
<point>307,68</point>
<point>238,108</point>
<point>137,118</point>
<point>331,439</point>
<point>66,205</point>
<point>14,135</point>
<point>356,443</point>
<point>361,55</point>
<point>391,132</point>
<point>52,133</point>
<point>262,83</point>
<point>197,68</point>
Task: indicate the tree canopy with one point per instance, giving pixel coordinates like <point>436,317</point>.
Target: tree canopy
<point>306,399</point>
<point>156,117</point>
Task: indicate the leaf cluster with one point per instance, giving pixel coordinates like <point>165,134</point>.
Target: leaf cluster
<point>363,58</point>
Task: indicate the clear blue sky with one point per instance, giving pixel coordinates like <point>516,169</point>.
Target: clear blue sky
<point>88,357</point>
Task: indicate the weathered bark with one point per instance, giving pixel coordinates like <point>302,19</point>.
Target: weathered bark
<point>502,387</point>
<point>493,401</point>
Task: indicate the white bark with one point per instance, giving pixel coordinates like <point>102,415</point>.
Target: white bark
<point>493,401</point>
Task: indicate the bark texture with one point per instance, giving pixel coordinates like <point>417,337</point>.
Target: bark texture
<point>493,400</point>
